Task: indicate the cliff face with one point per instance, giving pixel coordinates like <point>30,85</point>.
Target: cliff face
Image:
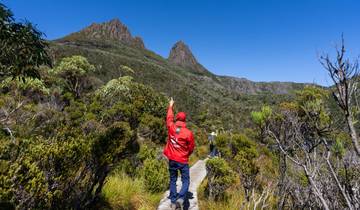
<point>112,30</point>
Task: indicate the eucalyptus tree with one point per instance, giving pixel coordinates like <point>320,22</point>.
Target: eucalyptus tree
<point>22,47</point>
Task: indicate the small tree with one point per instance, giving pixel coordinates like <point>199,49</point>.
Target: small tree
<point>244,162</point>
<point>74,70</point>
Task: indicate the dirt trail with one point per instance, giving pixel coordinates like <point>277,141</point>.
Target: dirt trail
<point>197,174</point>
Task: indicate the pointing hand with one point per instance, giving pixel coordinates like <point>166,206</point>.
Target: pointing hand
<point>171,102</point>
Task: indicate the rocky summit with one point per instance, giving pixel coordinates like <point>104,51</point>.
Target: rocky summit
<point>112,30</point>
<point>181,55</point>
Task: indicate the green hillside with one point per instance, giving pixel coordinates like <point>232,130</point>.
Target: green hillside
<point>199,92</point>
<point>82,126</point>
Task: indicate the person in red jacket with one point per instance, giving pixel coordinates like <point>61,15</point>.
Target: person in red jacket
<point>179,146</point>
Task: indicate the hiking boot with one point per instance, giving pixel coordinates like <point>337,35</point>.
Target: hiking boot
<point>173,206</point>
<point>180,203</point>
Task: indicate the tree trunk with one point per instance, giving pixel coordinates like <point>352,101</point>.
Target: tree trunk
<point>353,134</point>
<point>316,189</point>
<point>342,190</point>
<point>96,187</point>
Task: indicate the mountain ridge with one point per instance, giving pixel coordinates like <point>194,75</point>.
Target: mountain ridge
<point>104,36</point>
<point>111,30</point>
<point>114,30</point>
<point>197,90</point>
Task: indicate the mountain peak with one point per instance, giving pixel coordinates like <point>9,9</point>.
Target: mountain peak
<point>181,55</point>
<point>115,21</point>
<point>113,30</point>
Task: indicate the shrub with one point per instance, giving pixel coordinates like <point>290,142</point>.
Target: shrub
<point>28,85</point>
<point>152,128</point>
<point>146,152</point>
<point>60,154</point>
<point>261,117</point>
<point>222,143</point>
<point>39,172</point>
<point>240,152</point>
<point>220,177</point>
<point>156,175</point>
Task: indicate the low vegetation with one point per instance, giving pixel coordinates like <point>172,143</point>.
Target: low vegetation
<point>85,129</point>
<point>123,192</point>
<point>311,164</point>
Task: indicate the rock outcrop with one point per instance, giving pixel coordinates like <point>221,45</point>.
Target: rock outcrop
<point>112,30</point>
<point>181,55</point>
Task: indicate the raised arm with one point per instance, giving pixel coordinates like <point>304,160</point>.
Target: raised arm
<point>170,114</point>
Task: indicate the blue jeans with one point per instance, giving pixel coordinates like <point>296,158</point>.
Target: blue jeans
<point>174,167</point>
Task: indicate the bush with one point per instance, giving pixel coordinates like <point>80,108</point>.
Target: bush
<point>146,152</point>
<point>152,128</point>
<point>156,175</point>
<point>222,143</point>
<point>60,152</point>
<point>220,177</point>
<point>39,172</point>
<point>240,152</point>
<point>28,85</point>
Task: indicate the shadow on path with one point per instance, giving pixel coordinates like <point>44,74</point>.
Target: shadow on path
<point>189,196</point>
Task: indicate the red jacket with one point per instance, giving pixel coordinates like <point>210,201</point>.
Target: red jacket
<point>180,143</point>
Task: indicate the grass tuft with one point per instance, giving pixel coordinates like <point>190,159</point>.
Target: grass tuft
<point>124,192</point>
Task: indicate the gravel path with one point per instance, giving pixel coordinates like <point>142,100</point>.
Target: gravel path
<point>197,174</point>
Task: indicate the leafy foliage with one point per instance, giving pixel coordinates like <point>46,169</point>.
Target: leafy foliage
<point>29,85</point>
<point>241,153</point>
<point>23,49</point>
<point>220,177</point>
<point>260,118</point>
<point>59,147</point>
<point>73,71</point>
<point>156,175</point>
<point>60,154</point>
<point>312,152</point>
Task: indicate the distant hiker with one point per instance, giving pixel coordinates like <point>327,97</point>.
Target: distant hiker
<point>179,146</point>
<point>211,139</point>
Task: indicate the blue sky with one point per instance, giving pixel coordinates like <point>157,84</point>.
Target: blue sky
<point>262,40</point>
